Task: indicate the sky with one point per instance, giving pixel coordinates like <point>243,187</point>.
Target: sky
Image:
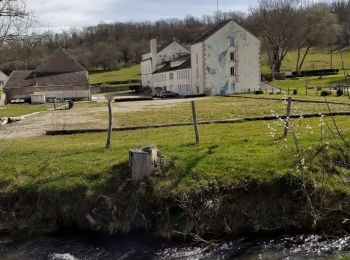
<point>64,14</point>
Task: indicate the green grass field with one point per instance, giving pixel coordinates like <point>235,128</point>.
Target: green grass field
<point>179,111</point>
<point>318,58</point>
<point>227,153</point>
<point>125,74</point>
<point>300,84</point>
<point>20,110</point>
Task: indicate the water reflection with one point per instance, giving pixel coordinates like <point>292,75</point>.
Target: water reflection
<point>138,246</point>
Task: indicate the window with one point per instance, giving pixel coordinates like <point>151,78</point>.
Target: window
<point>231,41</point>
<point>197,58</point>
<point>171,76</point>
<point>232,71</point>
<point>232,56</point>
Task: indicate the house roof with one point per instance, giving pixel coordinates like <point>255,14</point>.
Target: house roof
<point>163,47</point>
<point>59,69</point>
<point>182,66</point>
<point>211,31</point>
<point>60,61</point>
<point>27,78</point>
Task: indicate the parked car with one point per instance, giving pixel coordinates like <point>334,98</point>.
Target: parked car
<point>168,94</point>
<point>156,93</point>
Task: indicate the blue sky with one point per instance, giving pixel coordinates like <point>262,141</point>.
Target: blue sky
<point>63,14</point>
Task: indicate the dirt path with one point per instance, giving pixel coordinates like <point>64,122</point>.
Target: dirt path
<point>87,115</point>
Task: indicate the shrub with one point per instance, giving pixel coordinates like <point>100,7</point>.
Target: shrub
<point>325,93</point>
<point>340,92</point>
<point>278,76</point>
<point>295,92</point>
<point>259,92</point>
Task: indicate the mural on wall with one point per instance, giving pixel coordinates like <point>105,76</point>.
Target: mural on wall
<point>218,54</point>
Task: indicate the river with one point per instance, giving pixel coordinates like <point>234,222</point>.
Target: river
<point>68,246</point>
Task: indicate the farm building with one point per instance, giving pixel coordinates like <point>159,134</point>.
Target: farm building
<point>224,60</point>
<point>3,80</point>
<point>59,76</point>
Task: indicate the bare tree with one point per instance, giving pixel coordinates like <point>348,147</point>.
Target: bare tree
<point>275,21</point>
<point>16,26</point>
<point>342,9</point>
<point>317,27</point>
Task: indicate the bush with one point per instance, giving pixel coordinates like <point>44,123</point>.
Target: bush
<point>278,76</point>
<point>340,92</point>
<point>325,93</point>
<point>259,92</point>
<point>295,92</point>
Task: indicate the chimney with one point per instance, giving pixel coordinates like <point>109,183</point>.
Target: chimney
<point>154,54</point>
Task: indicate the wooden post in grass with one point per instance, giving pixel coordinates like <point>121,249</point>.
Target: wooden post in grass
<point>110,121</point>
<point>195,122</point>
<point>286,125</point>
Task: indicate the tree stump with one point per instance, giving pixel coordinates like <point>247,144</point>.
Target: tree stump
<point>145,162</point>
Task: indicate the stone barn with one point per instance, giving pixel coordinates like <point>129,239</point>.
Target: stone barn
<point>59,76</point>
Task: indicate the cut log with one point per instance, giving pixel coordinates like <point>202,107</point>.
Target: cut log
<point>145,162</point>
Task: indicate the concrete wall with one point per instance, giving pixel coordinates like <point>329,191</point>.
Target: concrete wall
<point>246,49</point>
<point>197,64</point>
<point>50,92</point>
<point>3,80</point>
<point>146,73</point>
<point>180,81</point>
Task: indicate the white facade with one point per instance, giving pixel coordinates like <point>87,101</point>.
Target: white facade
<point>223,61</point>
<point>3,80</point>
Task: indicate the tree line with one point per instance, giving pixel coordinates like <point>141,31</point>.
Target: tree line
<point>282,25</point>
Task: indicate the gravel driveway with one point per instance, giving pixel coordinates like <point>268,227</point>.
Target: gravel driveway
<point>83,115</point>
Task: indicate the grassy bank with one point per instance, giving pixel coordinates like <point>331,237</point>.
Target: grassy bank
<point>53,181</point>
<point>125,74</point>
<point>311,82</point>
<point>20,110</point>
<point>318,58</point>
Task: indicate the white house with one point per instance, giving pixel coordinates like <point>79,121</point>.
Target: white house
<point>3,79</point>
<point>224,60</point>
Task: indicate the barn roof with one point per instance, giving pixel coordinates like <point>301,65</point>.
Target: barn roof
<point>60,61</point>
<point>27,78</point>
<point>59,69</point>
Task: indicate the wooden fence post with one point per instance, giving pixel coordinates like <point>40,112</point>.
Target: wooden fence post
<point>194,114</point>
<point>110,123</point>
<point>286,126</point>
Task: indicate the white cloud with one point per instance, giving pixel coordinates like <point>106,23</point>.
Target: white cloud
<point>64,14</point>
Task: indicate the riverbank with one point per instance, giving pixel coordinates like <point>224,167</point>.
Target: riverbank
<point>238,181</point>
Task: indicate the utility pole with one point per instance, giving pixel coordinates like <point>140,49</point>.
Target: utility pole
<point>217,11</point>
